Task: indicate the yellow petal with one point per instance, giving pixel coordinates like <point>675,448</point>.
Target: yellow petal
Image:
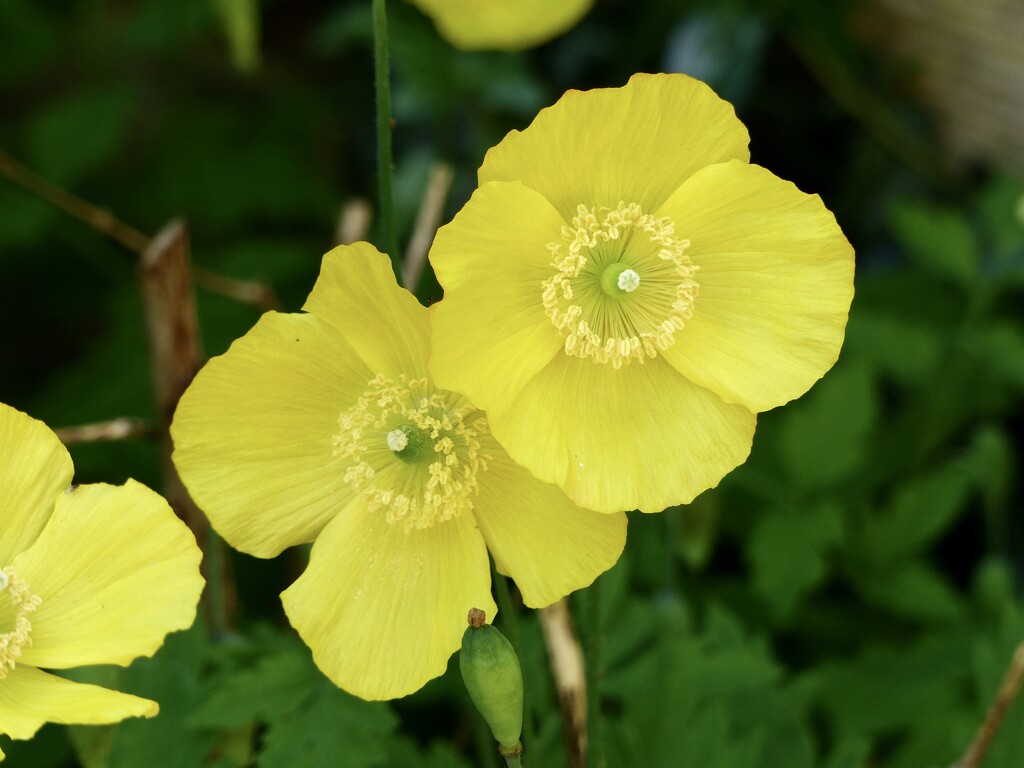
<point>30,697</point>
<point>383,608</point>
<point>116,571</point>
<point>538,536</point>
<point>640,437</point>
<point>776,282</point>
<point>635,144</point>
<point>357,294</point>
<point>34,469</point>
<point>505,24</point>
<point>490,334</point>
<point>253,433</point>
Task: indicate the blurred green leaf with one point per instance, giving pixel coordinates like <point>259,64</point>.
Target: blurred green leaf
<point>939,240</point>
<point>81,133</point>
<point>913,590</point>
<point>276,685</point>
<point>241,20</point>
<point>822,439</point>
<point>332,729</point>
<point>850,754</point>
<point>28,38</point>
<point>712,699</point>
<point>906,350</point>
<point>921,510</point>
<point>1001,208</point>
<point>787,551</point>
<point>695,526</point>
<point>885,689</point>
<point>1000,347</point>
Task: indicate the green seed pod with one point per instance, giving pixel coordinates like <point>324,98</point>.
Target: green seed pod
<point>490,669</point>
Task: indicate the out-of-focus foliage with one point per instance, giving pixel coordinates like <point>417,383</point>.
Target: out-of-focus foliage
<point>848,598</point>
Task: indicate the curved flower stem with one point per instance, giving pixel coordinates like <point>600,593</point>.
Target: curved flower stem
<point>382,72</point>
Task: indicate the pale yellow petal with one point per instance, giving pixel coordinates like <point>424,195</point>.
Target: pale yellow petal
<point>538,536</point>
<point>776,282</point>
<point>640,437</point>
<point>357,294</point>
<point>30,697</point>
<point>490,334</point>
<point>635,144</point>
<point>116,571</point>
<point>34,468</point>
<point>253,433</point>
<point>383,608</point>
<point>505,24</point>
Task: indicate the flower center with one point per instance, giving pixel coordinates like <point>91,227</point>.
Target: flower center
<point>412,451</point>
<point>16,603</point>
<point>623,286</point>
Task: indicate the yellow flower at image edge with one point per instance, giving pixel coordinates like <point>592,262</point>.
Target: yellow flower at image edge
<point>624,277</point>
<point>96,574</point>
<point>502,24</point>
<point>326,426</point>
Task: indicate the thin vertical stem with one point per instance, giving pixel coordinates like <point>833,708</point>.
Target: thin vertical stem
<point>503,597</point>
<point>216,565</point>
<point>382,73</point>
<point>595,674</point>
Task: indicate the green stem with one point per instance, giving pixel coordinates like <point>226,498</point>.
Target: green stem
<point>513,761</point>
<point>382,73</point>
<point>510,619</point>
<point>595,675</point>
<point>216,597</point>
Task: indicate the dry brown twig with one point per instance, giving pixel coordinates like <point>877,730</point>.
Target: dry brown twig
<point>176,355</point>
<point>115,429</point>
<point>354,221</point>
<point>1008,690</point>
<point>107,224</point>
<point>565,655</point>
<point>427,221</point>
<point>103,221</point>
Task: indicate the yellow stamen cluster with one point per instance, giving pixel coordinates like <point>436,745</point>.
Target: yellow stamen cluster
<point>654,300</point>
<point>436,483</point>
<point>16,603</point>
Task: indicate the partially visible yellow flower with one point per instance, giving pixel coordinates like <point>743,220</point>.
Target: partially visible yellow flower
<point>93,574</point>
<point>624,292</point>
<point>326,426</point>
<point>503,24</point>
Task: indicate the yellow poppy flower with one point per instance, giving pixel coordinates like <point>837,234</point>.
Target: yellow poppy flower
<point>93,574</point>
<point>502,24</point>
<point>625,291</point>
<point>325,426</point>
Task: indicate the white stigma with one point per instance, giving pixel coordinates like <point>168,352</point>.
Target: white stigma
<point>4,581</point>
<point>628,281</point>
<point>397,440</point>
